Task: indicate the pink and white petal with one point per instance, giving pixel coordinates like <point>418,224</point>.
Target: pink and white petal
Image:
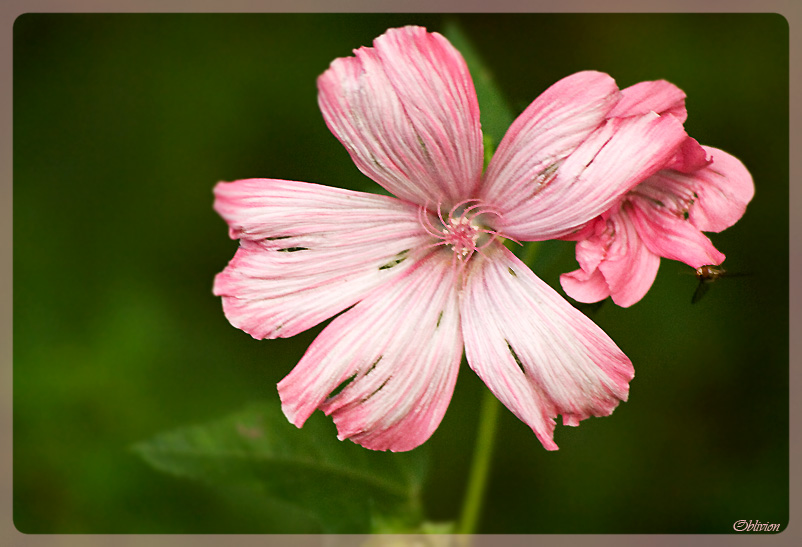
<point>406,111</point>
<point>657,96</point>
<point>586,287</point>
<point>592,250</point>
<point>671,236</point>
<point>553,125</point>
<point>587,284</point>
<point>539,355</point>
<point>691,156</point>
<point>397,352</point>
<point>585,231</point>
<point>723,189</point>
<point>613,262</point>
<point>629,267</point>
<point>610,162</point>
<point>307,251</point>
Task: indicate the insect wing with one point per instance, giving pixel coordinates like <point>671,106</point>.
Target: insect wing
<point>701,290</point>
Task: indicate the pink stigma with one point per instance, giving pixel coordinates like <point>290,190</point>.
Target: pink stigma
<point>461,230</point>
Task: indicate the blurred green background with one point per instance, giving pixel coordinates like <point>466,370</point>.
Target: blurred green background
<point>123,124</point>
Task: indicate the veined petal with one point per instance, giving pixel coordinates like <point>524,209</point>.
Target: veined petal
<point>605,166</point>
<point>722,191</point>
<point>691,156</point>
<point>406,111</point>
<point>657,96</point>
<point>400,348</point>
<point>629,267</point>
<point>585,231</point>
<point>584,286</point>
<point>613,262</point>
<point>587,284</point>
<point>546,132</point>
<point>539,355</point>
<point>592,250</point>
<point>671,236</point>
<point>307,251</point>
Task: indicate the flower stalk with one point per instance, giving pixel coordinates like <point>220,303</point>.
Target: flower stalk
<point>480,467</point>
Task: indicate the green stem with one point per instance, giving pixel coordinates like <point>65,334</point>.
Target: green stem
<point>480,467</point>
<point>488,416</point>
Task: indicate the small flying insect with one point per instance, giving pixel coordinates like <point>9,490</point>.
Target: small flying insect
<point>707,275</point>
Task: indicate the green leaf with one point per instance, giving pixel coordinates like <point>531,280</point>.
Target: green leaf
<point>342,486</point>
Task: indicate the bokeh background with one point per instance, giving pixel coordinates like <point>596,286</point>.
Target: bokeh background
<point>123,124</point>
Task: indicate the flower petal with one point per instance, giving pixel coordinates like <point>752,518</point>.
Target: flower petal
<point>584,286</point>
<point>670,236</point>
<point>546,132</point>
<point>307,251</point>
<point>723,190</point>
<point>587,284</point>
<point>629,267</point>
<point>691,156</point>
<point>613,261</point>
<point>606,165</point>
<point>400,348</point>
<point>539,355</point>
<point>657,96</point>
<point>406,111</point>
<point>591,250</point>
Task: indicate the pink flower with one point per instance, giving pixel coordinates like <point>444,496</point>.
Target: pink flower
<point>425,273</point>
<point>701,189</point>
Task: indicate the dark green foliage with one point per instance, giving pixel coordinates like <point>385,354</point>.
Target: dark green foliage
<point>342,486</point>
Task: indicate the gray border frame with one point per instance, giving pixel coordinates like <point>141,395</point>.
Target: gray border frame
<point>11,9</point>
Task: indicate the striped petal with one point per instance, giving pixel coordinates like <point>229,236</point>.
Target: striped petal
<point>566,195</point>
<point>406,111</point>
<point>585,286</point>
<point>552,127</point>
<point>720,191</point>
<point>613,263</point>
<point>691,156</point>
<point>539,355</point>
<point>307,251</point>
<point>397,352</point>
<point>657,96</point>
<point>671,236</point>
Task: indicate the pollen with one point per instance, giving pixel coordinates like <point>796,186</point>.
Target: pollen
<point>462,235</point>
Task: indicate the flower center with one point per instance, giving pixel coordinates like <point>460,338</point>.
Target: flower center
<point>461,234</point>
<point>674,196</point>
<point>461,229</point>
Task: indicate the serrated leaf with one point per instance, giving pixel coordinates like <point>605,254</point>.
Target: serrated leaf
<point>341,485</point>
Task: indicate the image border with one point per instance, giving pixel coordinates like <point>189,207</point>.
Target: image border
<point>11,9</point>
